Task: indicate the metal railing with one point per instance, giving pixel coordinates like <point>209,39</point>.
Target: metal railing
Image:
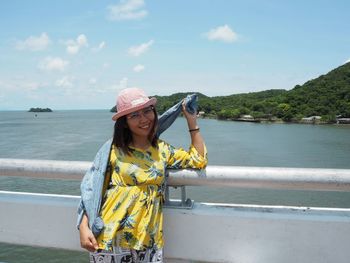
<point>233,233</point>
<point>230,176</point>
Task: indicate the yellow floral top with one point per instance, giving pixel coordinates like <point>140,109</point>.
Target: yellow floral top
<point>134,188</point>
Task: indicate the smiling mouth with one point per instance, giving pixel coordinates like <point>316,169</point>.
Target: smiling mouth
<point>145,126</point>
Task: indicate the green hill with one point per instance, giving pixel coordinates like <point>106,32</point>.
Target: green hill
<point>327,96</point>
<point>258,104</point>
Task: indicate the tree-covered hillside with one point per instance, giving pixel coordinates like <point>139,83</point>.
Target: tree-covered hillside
<point>327,96</point>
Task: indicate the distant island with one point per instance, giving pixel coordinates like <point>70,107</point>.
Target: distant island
<point>40,110</point>
<point>325,99</point>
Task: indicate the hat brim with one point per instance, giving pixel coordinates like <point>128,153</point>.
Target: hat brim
<point>151,101</point>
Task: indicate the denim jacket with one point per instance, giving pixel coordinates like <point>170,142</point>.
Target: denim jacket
<point>92,184</point>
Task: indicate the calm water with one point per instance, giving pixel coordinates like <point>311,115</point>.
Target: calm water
<point>77,135</point>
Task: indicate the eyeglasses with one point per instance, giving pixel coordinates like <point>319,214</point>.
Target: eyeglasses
<point>146,112</point>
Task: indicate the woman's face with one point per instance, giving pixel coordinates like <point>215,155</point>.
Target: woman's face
<point>141,122</point>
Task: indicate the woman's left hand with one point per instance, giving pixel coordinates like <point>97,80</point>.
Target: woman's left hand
<point>196,138</point>
<point>191,118</point>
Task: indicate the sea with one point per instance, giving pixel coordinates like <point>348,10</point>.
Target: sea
<point>77,135</point>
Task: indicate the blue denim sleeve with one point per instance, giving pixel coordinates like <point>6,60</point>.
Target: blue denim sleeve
<point>88,190</point>
<point>81,211</point>
<point>168,117</point>
<point>91,187</point>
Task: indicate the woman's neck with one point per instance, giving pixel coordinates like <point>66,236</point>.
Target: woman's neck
<point>140,142</point>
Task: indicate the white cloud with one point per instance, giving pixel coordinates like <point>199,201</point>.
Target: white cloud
<point>21,84</point>
<point>222,33</point>
<point>139,68</point>
<point>53,63</point>
<point>73,49</point>
<point>73,46</point>
<point>34,43</point>
<point>106,65</point>
<point>136,51</point>
<point>114,88</point>
<point>92,81</point>
<point>64,82</point>
<point>127,10</point>
<point>99,47</point>
<point>82,40</point>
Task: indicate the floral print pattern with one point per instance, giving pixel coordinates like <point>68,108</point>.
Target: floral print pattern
<point>134,194</point>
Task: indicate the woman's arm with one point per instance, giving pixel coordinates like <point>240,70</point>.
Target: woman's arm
<point>87,239</point>
<point>196,137</point>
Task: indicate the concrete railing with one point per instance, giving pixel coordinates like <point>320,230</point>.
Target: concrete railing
<point>207,232</point>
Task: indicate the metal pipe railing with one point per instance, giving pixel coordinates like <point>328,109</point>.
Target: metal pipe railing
<point>51,169</point>
<point>230,176</point>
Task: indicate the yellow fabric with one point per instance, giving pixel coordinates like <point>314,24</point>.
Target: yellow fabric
<point>132,205</point>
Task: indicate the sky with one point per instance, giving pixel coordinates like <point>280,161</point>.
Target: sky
<point>79,54</point>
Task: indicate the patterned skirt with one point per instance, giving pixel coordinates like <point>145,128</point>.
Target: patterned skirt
<point>120,255</point>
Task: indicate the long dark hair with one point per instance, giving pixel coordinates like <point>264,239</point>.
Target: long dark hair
<point>122,135</point>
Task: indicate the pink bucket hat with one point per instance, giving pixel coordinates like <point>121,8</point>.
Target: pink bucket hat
<point>130,100</point>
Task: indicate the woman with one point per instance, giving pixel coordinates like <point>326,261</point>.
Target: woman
<point>134,183</point>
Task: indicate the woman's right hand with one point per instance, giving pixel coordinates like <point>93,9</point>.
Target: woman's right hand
<point>87,238</point>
